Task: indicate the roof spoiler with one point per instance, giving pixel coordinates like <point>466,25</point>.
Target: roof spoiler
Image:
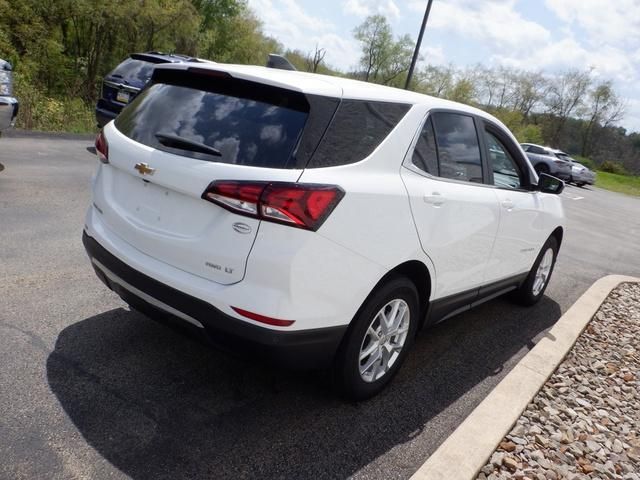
<point>278,61</point>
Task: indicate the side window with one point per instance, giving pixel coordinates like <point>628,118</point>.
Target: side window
<point>356,130</point>
<point>425,156</point>
<point>458,148</point>
<point>506,173</point>
<point>534,149</point>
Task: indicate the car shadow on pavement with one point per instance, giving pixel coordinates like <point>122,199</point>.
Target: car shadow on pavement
<point>157,404</point>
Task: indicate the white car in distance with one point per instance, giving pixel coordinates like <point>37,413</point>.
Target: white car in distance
<point>314,220</point>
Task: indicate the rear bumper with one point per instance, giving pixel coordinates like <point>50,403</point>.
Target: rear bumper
<point>301,349</point>
<point>563,174</point>
<point>104,115</point>
<point>583,178</point>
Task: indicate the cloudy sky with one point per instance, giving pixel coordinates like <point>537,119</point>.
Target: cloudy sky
<point>548,35</point>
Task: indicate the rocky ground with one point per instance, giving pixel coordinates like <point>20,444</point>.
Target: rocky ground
<point>585,422</point>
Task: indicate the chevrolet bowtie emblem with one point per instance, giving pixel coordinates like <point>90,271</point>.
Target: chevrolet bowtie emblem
<point>144,168</point>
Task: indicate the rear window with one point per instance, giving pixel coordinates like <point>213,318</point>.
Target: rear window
<point>356,130</point>
<point>247,123</point>
<point>133,70</point>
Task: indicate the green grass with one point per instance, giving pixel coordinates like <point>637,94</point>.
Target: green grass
<point>628,184</point>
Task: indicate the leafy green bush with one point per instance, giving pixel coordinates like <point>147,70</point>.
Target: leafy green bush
<point>613,167</point>
<point>587,162</point>
<point>42,112</point>
<point>529,134</point>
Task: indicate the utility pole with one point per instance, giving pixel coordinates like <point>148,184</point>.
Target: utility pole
<point>416,52</point>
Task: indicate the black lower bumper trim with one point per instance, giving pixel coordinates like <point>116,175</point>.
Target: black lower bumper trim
<point>303,349</point>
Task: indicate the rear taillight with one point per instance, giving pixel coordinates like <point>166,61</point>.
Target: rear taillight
<point>102,147</point>
<point>302,205</point>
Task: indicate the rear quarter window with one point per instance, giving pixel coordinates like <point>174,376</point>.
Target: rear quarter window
<point>357,128</point>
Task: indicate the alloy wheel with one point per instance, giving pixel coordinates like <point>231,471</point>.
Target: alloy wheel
<point>384,340</point>
<point>543,272</point>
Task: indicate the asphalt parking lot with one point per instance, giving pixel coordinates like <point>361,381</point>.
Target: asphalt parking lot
<point>89,389</point>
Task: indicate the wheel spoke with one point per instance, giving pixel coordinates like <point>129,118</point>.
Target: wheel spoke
<point>386,354</point>
<point>384,322</point>
<point>400,330</point>
<point>373,359</point>
<point>374,335</point>
<point>373,346</point>
<point>394,313</point>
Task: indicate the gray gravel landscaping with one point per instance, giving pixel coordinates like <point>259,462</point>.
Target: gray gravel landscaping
<point>585,422</point>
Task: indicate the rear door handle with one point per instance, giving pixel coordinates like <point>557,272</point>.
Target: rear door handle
<point>436,199</point>
<point>508,205</point>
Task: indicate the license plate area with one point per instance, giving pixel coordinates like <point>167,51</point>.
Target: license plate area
<point>123,96</point>
<point>158,209</point>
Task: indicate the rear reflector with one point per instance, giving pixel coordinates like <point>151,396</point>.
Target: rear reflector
<point>302,205</point>
<point>102,147</point>
<point>262,319</point>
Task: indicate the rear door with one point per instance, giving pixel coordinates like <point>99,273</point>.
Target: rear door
<point>455,214</point>
<point>183,132</point>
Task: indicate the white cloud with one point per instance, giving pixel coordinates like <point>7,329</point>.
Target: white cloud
<point>363,8</point>
<point>616,22</point>
<point>568,53</point>
<point>286,21</point>
<point>433,55</point>
<point>286,18</point>
<point>608,35</point>
<point>494,23</point>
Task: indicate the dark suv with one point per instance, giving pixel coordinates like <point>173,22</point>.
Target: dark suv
<point>122,84</point>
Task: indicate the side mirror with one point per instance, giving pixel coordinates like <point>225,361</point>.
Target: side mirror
<point>550,184</point>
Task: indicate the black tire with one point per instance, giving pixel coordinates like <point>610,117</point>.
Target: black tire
<point>525,294</point>
<point>541,168</point>
<point>346,371</point>
<point>580,185</point>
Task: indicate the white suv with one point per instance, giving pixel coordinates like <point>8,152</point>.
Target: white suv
<point>315,220</point>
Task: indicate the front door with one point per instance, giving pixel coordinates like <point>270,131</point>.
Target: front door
<point>521,231</point>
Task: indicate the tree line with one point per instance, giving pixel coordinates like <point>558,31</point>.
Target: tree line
<point>61,49</point>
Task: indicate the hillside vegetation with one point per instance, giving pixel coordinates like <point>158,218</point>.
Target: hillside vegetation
<point>61,49</point>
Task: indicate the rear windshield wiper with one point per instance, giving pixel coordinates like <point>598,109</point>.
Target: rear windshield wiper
<point>175,141</point>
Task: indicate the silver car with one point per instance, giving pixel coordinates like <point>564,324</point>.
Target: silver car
<point>544,160</point>
<point>580,175</point>
<point>8,104</point>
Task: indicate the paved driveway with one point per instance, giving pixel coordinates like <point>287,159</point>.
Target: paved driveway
<point>89,389</point>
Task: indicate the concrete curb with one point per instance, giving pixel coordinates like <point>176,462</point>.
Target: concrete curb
<point>467,449</point>
<point>17,133</point>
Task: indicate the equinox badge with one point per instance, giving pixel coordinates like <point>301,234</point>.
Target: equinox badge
<point>144,168</point>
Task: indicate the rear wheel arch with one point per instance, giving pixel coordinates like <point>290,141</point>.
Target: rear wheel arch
<point>541,167</point>
<point>418,273</point>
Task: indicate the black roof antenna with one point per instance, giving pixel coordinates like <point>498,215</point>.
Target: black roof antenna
<point>278,61</point>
